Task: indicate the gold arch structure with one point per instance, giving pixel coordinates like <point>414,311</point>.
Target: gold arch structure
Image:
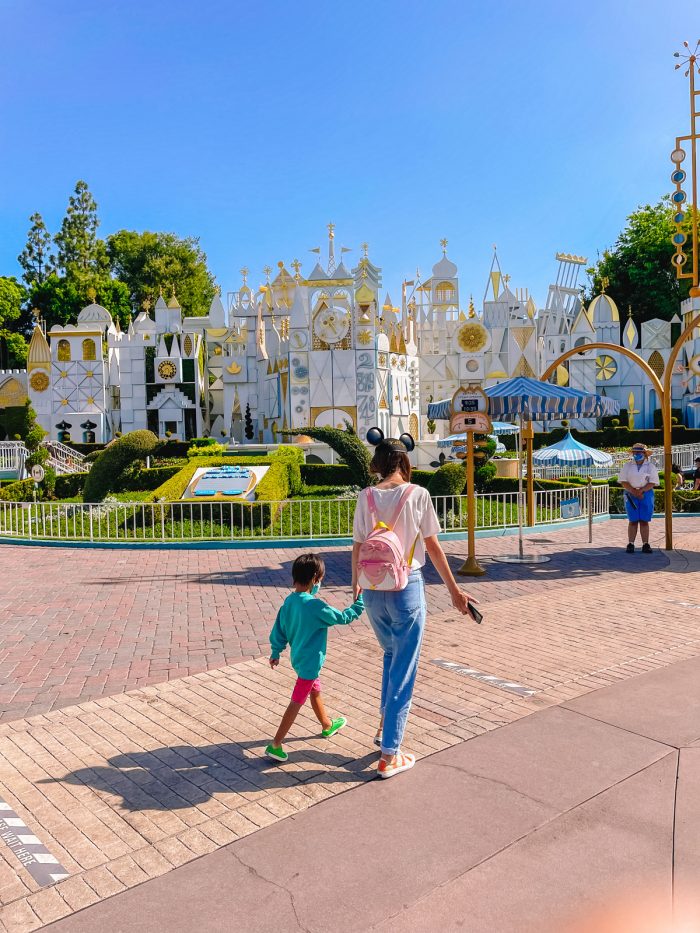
<point>665,402</point>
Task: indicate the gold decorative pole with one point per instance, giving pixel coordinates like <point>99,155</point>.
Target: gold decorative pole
<point>471,567</point>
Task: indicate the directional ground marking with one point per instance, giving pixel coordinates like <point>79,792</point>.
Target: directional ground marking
<point>499,682</point>
<point>30,850</point>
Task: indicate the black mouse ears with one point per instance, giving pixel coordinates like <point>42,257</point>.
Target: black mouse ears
<point>376,436</point>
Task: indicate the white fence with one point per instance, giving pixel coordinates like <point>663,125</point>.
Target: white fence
<point>235,521</point>
<point>12,457</point>
<point>62,458</point>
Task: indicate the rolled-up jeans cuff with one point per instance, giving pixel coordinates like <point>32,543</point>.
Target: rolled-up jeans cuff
<point>389,751</point>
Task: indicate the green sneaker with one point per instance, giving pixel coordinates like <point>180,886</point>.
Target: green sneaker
<point>335,726</point>
<point>276,754</point>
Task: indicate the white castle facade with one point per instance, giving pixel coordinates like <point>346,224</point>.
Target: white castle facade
<point>325,349</point>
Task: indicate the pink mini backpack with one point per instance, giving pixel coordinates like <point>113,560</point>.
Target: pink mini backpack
<point>382,563</point>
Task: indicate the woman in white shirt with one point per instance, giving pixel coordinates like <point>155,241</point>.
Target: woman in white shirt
<point>398,616</point>
<point>638,477</point>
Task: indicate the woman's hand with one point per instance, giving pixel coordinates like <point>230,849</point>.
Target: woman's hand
<point>274,662</point>
<point>461,600</point>
<point>356,589</point>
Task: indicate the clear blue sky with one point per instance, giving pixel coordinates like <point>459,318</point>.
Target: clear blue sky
<point>532,124</point>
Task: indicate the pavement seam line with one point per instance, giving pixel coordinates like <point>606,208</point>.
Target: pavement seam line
<point>613,725</point>
<point>673,839</point>
<point>514,842</point>
<point>275,884</point>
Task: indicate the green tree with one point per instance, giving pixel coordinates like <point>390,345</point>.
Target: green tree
<point>147,262</point>
<point>77,243</point>
<point>638,271</point>
<point>13,345</point>
<point>36,259</point>
<point>60,299</point>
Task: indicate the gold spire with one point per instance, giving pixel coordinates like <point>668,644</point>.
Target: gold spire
<point>629,312</point>
<point>443,243</point>
<point>244,274</point>
<point>604,283</point>
<point>472,310</point>
<point>92,294</point>
<point>296,265</point>
<point>146,303</point>
<point>364,248</point>
<point>267,271</point>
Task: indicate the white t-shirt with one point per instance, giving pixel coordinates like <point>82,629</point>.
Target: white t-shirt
<point>417,519</point>
<point>638,475</point>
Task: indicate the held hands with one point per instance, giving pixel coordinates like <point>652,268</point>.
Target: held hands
<point>274,662</point>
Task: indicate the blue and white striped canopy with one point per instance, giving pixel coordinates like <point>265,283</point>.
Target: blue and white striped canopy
<point>535,401</point>
<point>569,451</point>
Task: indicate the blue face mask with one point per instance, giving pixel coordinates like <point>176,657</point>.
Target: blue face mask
<point>638,457</point>
<point>315,588</point>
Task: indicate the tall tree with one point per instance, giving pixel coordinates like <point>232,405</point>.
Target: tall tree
<point>60,299</point>
<point>13,345</point>
<point>147,262</point>
<point>36,258</point>
<point>638,271</point>
<point>79,250</point>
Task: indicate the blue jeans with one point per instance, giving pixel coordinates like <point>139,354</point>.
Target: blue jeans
<point>398,620</point>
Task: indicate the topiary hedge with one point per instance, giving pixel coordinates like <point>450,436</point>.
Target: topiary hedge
<point>448,480</point>
<point>114,459</point>
<point>327,474</point>
<point>347,445</point>
<point>293,457</point>
<point>69,485</point>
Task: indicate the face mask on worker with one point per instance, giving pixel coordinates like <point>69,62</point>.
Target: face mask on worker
<point>639,457</point>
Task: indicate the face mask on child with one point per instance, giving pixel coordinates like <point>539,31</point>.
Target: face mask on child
<point>315,588</point>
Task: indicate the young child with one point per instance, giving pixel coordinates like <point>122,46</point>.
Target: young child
<point>303,623</point>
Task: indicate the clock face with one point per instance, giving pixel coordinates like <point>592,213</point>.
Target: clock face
<point>332,324</point>
<point>167,370</point>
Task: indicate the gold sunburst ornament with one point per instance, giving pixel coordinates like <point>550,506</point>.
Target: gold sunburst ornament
<point>472,337</point>
<point>606,367</point>
<point>364,337</point>
<point>167,370</point>
<point>39,382</point>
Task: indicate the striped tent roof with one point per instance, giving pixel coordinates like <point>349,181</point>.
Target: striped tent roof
<point>569,451</point>
<point>535,401</point>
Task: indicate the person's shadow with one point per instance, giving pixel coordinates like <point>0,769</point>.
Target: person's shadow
<point>182,776</point>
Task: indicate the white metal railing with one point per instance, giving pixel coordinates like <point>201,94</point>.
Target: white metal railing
<point>12,457</point>
<point>64,459</point>
<point>254,521</point>
<point>683,454</point>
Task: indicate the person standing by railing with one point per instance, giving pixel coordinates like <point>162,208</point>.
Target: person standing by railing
<point>638,477</point>
<point>398,616</point>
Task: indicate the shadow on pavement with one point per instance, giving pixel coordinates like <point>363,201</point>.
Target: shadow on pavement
<point>182,776</point>
<point>577,563</point>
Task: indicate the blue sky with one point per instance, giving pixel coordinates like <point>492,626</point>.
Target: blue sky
<point>531,124</point>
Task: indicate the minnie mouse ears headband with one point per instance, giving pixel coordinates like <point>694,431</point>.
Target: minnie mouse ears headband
<point>404,444</point>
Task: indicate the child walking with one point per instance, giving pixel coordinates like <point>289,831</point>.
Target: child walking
<point>303,623</point>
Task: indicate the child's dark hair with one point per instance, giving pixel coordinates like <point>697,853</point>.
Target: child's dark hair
<point>308,567</point>
<point>388,458</point>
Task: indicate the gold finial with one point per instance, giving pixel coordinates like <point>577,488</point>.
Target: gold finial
<point>280,265</point>
<point>604,282</point>
<point>365,248</point>
<point>267,271</point>
<point>172,291</point>
<point>472,310</point>
<point>244,274</point>
<point>146,303</point>
<point>506,278</point>
<point>443,243</point>
<point>629,312</point>
<point>160,290</point>
<point>331,228</point>
<point>36,314</point>
<point>91,293</point>
<point>296,265</point>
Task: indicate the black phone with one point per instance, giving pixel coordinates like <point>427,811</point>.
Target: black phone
<point>474,613</point>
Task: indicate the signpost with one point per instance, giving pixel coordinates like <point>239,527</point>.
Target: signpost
<point>470,415</point>
<point>38,476</point>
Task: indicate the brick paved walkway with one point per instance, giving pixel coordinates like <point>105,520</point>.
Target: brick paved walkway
<point>122,788</point>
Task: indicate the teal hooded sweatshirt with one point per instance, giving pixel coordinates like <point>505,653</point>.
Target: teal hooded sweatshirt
<point>303,623</point>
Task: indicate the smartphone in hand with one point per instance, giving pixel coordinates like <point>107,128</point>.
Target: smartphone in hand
<point>474,613</point>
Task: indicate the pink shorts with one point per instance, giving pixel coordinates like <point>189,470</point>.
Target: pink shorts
<point>303,688</point>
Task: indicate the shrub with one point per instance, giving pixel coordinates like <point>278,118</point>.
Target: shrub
<point>422,477</point>
<point>202,442</point>
<point>207,450</point>
<point>20,491</point>
<point>449,480</point>
<point>69,485</point>
<point>174,487</point>
<point>114,459</point>
<point>293,458</point>
<point>483,476</point>
<point>137,479</point>
<point>327,474</point>
<point>349,448</point>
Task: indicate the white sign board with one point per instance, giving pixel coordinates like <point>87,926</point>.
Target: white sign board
<point>37,473</point>
<point>470,399</point>
<point>477,421</point>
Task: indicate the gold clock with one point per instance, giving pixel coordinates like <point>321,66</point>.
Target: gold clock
<point>472,337</point>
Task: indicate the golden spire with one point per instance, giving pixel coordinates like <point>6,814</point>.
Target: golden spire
<point>331,229</point>
<point>604,282</point>
<point>146,303</point>
<point>296,265</point>
<point>629,312</point>
<point>92,294</point>
<point>472,311</point>
<point>267,271</point>
<point>244,274</point>
<point>443,243</point>
<point>364,248</point>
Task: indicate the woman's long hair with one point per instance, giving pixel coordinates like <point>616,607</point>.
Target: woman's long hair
<point>388,459</point>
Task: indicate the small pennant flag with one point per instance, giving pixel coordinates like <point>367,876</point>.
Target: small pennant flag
<point>316,249</point>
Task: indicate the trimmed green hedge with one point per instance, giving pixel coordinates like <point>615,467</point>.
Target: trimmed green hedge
<point>293,457</point>
<point>327,474</point>
<point>508,484</point>
<point>114,459</point>
<point>448,480</point>
<point>684,500</point>
<point>20,491</point>
<point>611,437</point>
<point>174,487</point>
<point>143,480</point>
<point>69,485</point>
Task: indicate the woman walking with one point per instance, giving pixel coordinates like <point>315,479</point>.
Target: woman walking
<point>638,477</point>
<point>398,615</point>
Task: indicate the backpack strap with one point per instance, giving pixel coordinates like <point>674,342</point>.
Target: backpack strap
<point>372,505</point>
<point>403,499</point>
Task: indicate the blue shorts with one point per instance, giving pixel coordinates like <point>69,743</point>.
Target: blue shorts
<point>640,510</point>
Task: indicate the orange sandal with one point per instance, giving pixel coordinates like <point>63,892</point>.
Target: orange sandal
<point>402,763</point>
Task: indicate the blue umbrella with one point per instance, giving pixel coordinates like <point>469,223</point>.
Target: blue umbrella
<point>568,451</point>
